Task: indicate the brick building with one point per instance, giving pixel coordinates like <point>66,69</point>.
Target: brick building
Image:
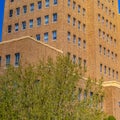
<point>87,30</point>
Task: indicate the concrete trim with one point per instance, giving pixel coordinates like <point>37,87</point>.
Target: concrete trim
<point>24,37</point>
<point>111,84</point>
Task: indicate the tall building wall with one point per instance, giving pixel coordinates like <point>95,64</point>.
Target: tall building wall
<point>87,30</point>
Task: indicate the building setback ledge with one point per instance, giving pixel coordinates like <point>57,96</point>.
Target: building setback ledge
<point>33,39</point>
<point>111,84</point>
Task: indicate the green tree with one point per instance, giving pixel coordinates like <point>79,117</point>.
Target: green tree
<point>49,91</point>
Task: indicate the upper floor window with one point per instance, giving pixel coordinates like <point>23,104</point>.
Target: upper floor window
<point>38,36</point>
<point>74,21</point>
<point>79,61</point>
<point>47,2</point>
<point>83,11</point>
<point>46,37</point>
<point>69,18</point>
<point>84,27</point>
<point>39,4</point>
<point>74,38</point>
<point>24,25</point>
<point>84,63</point>
<point>32,7</point>
<point>78,8</point>
<point>39,21</point>
<point>31,23</point>
<point>55,2</point>
<point>17,59</point>
<point>68,36</point>
<point>24,9</point>
<point>10,13</point>
<point>46,19</point>
<point>100,67</point>
<point>9,28</point>
<point>54,35</point>
<point>7,60</point>
<point>79,41</point>
<point>98,2</point>
<point>98,17</point>
<point>18,11</point>
<point>84,44</point>
<point>79,23</point>
<point>54,17</point>
<point>68,2</point>
<point>113,73</point>
<point>11,0</point>
<point>16,26</point>
<point>117,75</point>
<point>74,59</point>
<point>74,5</point>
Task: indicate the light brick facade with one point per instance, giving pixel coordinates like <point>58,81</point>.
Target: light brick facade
<point>88,30</point>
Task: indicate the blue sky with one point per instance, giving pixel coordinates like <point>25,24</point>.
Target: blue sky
<point>1,16</point>
<point>2,12</point>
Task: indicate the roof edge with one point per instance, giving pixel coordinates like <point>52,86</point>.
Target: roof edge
<point>31,38</point>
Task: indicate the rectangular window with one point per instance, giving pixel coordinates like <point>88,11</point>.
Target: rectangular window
<point>47,2</point>
<point>24,25</point>
<point>17,59</point>
<point>69,18</point>
<point>100,67</point>
<point>32,7</point>
<point>46,37</point>
<point>79,23</point>
<point>100,48</point>
<point>105,69</point>
<point>84,64</point>
<point>39,4</point>
<point>79,42</point>
<point>24,9</point>
<point>78,8</point>
<point>117,75</point>
<point>109,71</point>
<point>74,5</point>
<point>68,36</point>
<point>46,19</point>
<point>7,60</point>
<point>55,2</point>
<point>39,21</point>
<point>31,23</point>
<point>74,39</point>
<point>54,17</point>
<point>54,35</point>
<point>113,73</point>
<point>84,12</point>
<point>11,0</point>
<point>74,59</point>
<point>18,11</point>
<point>79,61</point>
<point>84,44</point>
<point>79,94</point>
<point>68,2</point>
<point>84,27</point>
<point>16,26</point>
<point>74,21</point>
<point>9,28</point>
<point>10,13</point>
<point>38,36</point>
<point>98,17</point>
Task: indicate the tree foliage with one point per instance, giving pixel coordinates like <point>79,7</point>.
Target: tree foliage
<point>49,91</point>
